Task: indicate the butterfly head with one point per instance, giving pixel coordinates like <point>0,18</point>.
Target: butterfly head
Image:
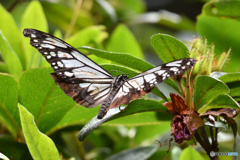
<point>120,80</point>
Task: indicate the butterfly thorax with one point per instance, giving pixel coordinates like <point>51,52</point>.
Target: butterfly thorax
<point>117,84</point>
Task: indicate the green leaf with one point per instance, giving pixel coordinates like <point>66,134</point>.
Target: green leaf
<point>143,133</point>
<point>39,145</point>
<point>9,114</point>
<point>122,40</point>
<point>136,118</point>
<point>142,105</point>
<point>121,58</point>
<point>117,70</point>
<point>223,9</point>
<point>232,80</point>
<point>206,89</point>
<point>216,23</point>
<point>217,124</point>
<point>10,57</point>
<point>230,77</point>
<point>51,107</point>
<point>11,32</point>
<point>3,67</point>
<point>33,17</point>
<point>172,84</point>
<point>10,146</point>
<point>90,36</point>
<point>221,101</point>
<point>169,48</point>
<point>189,154</point>
<point>139,153</point>
<point>43,98</point>
<point>95,122</point>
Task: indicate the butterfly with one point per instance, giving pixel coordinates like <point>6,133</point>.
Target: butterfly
<point>89,84</point>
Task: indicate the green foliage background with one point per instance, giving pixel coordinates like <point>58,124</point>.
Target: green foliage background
<point>31,102</point>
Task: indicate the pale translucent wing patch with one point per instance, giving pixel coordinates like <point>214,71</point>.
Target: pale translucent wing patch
<point>143,83</point>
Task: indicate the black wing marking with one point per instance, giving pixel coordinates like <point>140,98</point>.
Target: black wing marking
<point>143,83</point>
<point>76,74</point>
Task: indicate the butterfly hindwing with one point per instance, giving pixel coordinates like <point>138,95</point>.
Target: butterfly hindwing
<point>86,94</point>
<point>77,75</point>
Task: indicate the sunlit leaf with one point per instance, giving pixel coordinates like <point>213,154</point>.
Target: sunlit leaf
<point>121,58</point>
<point>39,145</point>
<point>216,23</point>
<point>221,101</point>
<point>9,29</point>
<point>33,17</point>
<point>169,48</point>
<point>9,114</point>
<point>122,40</point>
<point>206,89</point>
<point>11,59</point>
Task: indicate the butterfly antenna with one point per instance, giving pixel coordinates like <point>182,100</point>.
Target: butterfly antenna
<point>117,71</point>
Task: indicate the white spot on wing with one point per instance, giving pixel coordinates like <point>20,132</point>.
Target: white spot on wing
<point>174,64</point>
<point>160,72</point>
<point>64,55</point>
<point>53,54</point>
<point>48,46</point>
<point>149,77</point>
<point>175,69</point>
<point>33,35</point>
<point>83,85</point>
<point>72,63</point>
<point>59,64</point>
<point>55,42</point>
<point>68,74</point>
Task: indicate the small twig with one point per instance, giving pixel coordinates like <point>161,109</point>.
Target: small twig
<point>74,19</point>
<point>205,137</point>
<point>211,133</point>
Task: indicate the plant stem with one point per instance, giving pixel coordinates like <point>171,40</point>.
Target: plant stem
<point>74,19</point>
<point>204,142</point>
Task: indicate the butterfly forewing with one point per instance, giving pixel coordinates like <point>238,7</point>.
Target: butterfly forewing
<point>66,61</point>
<point>77,75</point>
